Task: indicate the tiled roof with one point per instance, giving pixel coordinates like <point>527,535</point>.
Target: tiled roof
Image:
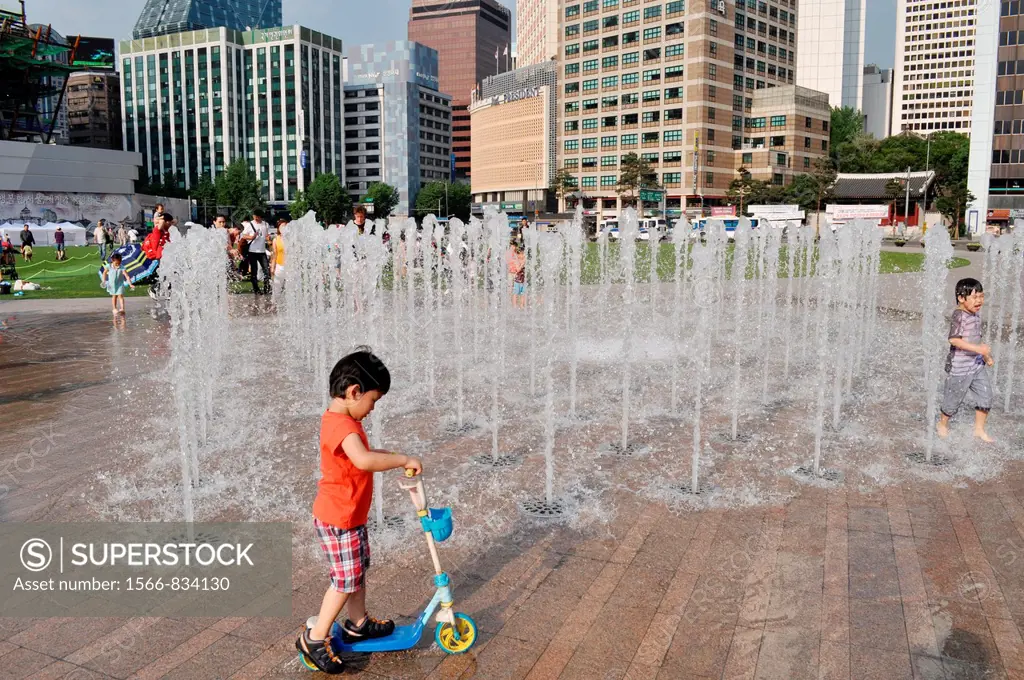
<point>872,185</point>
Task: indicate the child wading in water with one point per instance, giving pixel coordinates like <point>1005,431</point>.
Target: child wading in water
<point>343,503</point>
<point>114,280</point>
<point>517,268</point>
<point>967,361</point>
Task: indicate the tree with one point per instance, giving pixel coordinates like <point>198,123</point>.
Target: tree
<point>299,206</point>
<point>430,200</point>
<point>635,173</point>
<point>562,184</point>
<point>326,197</point>
<point>746,190</point>
<point>240,189</point>
<point>845,125</point>
<point>204,193</point>
<point>952,203</point>
<point>820,181</point>
<point>385,199</point>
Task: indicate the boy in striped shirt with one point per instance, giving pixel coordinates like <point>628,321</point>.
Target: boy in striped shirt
<point>968,361</point>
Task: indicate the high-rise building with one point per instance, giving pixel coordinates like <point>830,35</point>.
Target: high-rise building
<point>995,174</point>
<point>94,110</point>
<point>830,40</point>
<point>397,123</point>
<point>194,102</point>
<point>791,127</point>
<point>877,101</point>
<point>933,80</point>
<point>536,31</point>
<point>673,82</point>
<point>162,17</point>
<point>515,140</point>
<point>473,40</point>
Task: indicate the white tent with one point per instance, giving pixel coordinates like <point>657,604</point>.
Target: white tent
<point>74,234</point>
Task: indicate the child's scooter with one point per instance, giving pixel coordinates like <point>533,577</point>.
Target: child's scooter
<point>455,632</point>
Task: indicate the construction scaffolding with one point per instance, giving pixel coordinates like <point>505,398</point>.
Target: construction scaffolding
<point>34,64</point>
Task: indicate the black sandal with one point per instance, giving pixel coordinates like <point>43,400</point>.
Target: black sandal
<point>371,628</point>
<point>319,653</point>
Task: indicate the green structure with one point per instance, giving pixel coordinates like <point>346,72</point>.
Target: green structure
<point>32,77</point>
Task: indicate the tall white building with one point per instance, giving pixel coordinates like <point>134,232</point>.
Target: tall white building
<point>537,31</point>
<point>830,45</point>
<point>934,76</point>
<point>877,101</point>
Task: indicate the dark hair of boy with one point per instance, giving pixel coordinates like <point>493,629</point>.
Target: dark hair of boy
<point>965,288</point>
<point>115,258</point>
<point>362,368</point>
<point>258,213</point>
<point>358,210</point>
<point>168,217</point>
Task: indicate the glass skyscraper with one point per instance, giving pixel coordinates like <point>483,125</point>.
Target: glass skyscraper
<point>163,17</point>
<point>194,102</point>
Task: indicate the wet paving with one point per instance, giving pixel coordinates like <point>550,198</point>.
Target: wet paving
<point>920,578</point>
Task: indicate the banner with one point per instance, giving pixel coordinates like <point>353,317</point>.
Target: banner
<point>857,212</point>
<point>723,211</point>
<point>41,207</point>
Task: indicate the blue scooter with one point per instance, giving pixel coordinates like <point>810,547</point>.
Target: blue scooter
<point>455,632</point>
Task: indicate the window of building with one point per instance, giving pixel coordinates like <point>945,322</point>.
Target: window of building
<point>673,72</point>
<point>674,50</point>
<point>652,96</point>
<point>589,143</point>
<point>652,54</point>
<point>572,125</point>
<point>591,26</point>
<point>610,4</point>
<point>609,121</point>
<point>571,144</point>
<point>650,138</point>
<point>609,180</point>
<point>671,178</point>
<point>590,65</point>
<point>672,156</point>
<point>572,69</point>
<point>590,85</point>
<point>610,62</point>
<point>590,6</point>
<point>673,135</point>
<point>589,163</point>
<point>572,11</point>
<point>676,7</point>
<point>589,182</point>
<point>590,123</point>
<point>572,30</point>
<point>609,42</point>
<point>630,98</point>
<point>630,78</point>
<point>590,105</point>
<point>572,107</point>
<point>572,88</point>
<point>674,29</point>
<point>631,37</point>
<point>807,162</point>
<point>629,139</point>
<point>630,58</point>
<point>610,81</point>
<point>673,92</point>
<point>653,12</point>
<point>609,102</point>
<point>747,159</point>
<point>609,161</point>
<point>631,17</point>
<point>571,163</point>
<point>778,140</point>
<point>778,121</point>
<point>651,116</point>
<point>673,115</point>
<point>652,33</point>
<point>572,49</point>
<point>609,142</point>
<point>652,76</point>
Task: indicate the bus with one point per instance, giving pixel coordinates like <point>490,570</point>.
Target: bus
<point>699,226</point>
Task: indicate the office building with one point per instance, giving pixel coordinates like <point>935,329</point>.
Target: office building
<point>194,102</point>
<point>830,38</point>
<point>877,101</point>
<point>94,110</point>
<point>787,129</point>
<point>163,17</point>
<point>473,40</point>
<point>536,31</point>
<point>673,82</point>
<point>515,140</point>
<point>397,123</point>
<point>933,80</point>
<point>995,172</point>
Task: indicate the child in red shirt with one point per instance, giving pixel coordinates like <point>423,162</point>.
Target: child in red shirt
<point>343,503</point>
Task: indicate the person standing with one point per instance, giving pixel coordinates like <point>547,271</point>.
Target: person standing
<point>277,258</point>
<point>108,238</point>
<point>100,239</point>
<point>58,242</point>
<point>122,235</point>
<point>27,241</point>
<point>359,218</point>
<point>255,235</point>
<point>133,235</point>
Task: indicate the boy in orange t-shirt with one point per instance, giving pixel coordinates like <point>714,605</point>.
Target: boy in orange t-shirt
<point>343,503</point>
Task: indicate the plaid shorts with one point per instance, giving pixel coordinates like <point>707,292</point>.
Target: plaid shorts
<point>348,554</point>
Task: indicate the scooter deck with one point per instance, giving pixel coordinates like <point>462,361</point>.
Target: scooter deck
<point>404,637</point>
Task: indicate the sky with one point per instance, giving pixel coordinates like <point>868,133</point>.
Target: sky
<point>357,22</point>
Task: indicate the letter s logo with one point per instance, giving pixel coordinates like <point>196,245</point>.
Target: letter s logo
<point>36,554</point>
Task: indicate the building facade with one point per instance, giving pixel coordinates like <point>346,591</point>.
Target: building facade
<point>515,132</point>
<point>163,17</point>
<point>933,80</point>
<point>472,38</point>
<point>996,170</point>
<point>787,129</point>
<point>671,81</point>
<point>830,36</point>
<point>877,101</point>
<point>94,110</point>
<point>536,31</point>
<point>194,102</point>
<point>397,123</point>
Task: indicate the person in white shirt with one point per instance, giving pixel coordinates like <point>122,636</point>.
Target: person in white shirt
<point>100,238</point>
<point>255,233</point>
<point>133,235</point>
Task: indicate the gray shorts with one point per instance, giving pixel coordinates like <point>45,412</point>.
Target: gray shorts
<point>957,387</point>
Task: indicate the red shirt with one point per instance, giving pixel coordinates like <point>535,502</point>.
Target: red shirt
<point>154,244</point>
<point>345,492</point>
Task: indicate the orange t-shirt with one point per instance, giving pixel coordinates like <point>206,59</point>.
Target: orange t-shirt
<point>345,492</point>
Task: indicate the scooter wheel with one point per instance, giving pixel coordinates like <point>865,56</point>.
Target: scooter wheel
<point>307,663</point>
<point>444,634</point>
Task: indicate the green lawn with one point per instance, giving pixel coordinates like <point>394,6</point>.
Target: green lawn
<point>891,262</point>
<point>75,277</point>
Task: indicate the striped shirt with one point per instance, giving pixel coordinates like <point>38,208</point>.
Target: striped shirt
<point>968,327</point>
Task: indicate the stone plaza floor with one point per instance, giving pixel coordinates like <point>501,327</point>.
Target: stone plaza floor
<point>918,579</point>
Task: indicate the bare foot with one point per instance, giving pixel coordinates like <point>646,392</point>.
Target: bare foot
<point>983,436</point>
<point>942,429</point>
